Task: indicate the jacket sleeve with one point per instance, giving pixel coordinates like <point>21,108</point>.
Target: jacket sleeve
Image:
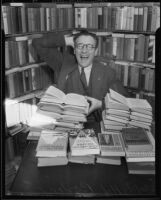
<point>47,49</point>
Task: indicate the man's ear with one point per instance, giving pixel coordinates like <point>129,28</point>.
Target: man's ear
<point>96,51</point>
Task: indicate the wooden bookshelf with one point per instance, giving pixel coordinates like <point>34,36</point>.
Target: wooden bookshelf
<point>31,95</point>
<point>20,69</point>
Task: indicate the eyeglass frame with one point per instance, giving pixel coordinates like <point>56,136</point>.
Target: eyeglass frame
<point>89,47</point>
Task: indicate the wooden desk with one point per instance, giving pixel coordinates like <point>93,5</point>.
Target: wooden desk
<point>78,179</point>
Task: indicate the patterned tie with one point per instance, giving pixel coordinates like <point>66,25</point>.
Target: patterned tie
<point>83,78</point>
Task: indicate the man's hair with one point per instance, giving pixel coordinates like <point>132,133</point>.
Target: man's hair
<point>85,33</point>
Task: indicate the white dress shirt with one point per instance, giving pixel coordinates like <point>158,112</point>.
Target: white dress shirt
<point>87,71</point>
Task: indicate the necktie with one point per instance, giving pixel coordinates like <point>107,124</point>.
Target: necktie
<point>83,78</point>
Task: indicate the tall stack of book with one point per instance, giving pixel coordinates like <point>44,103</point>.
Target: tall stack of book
<point>69,110</point>
<point>128,111</point>
<point>139,145</point>
<point>52,148</point>
<point>116,114</point>
<point>83,146</point>
<point>111,148</point>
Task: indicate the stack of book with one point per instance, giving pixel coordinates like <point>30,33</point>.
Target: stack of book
<point>52,148</point>
<point>83,146</point>
<point>141,113</point>
<point>116,114</point>
<point>128,111</point>
<point>139,145</point>
<point>111,149</point>
<point>68,110</point>
<point>18,128</point>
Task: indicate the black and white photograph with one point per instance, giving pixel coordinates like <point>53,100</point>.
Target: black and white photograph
<point>79,109</point>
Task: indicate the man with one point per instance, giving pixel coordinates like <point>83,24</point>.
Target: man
<point>80,73</point>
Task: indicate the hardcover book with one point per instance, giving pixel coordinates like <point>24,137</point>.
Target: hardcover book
<point>52,144</point>
<point>110,144</point>
<point>111,160</point>
<point>46,161</point>
<point>136,139</point>
<point>87,159</point>
<point>141,167</point>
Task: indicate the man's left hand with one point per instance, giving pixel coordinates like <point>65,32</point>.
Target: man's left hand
<point>94,104</point>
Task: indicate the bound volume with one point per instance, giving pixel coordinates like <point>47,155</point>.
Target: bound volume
<point>136,139</point>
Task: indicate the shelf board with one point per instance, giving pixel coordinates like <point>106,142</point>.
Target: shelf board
<point>20,69</point>
<point>30,35</point>
<point>31,95</point>
<point>134,63</point>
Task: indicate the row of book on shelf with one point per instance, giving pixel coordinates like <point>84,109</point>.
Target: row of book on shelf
<point>131,18</point>
<point>23,82</point>
<point>22,19</point>
<point>127,47</point>
<point>59,118</point>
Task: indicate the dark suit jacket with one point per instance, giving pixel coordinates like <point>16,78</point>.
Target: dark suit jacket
<point>66,69</point>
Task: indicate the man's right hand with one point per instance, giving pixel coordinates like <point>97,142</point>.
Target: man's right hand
<point>69,40</point>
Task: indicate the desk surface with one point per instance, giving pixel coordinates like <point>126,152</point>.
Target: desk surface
<point>78,179</point>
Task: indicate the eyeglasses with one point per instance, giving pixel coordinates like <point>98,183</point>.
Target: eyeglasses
<point>89,47</point>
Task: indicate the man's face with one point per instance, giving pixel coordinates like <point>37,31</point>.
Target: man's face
<point>85,50</point>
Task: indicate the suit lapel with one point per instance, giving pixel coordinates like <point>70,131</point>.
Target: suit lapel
<point>96,80</point>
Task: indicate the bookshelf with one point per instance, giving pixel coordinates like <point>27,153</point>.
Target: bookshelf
<point>126,33</point>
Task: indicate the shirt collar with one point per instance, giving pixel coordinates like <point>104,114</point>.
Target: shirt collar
<point>86,69</point>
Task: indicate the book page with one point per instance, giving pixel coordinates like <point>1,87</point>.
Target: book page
<point>55,92</point>
<point>76,99</point>
<point>118,97</point>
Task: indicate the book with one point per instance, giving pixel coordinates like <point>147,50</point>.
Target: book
<point>140,124</point>
<point>141,167</point>
<point>54,161</point>
<point>110,144</point>
<point>118,112</point>
<point>83,142</point>
<point>86,159</point>
<point>132,103</point>
<point>57,101</point>
<point>136,139</point>
<point>111,103</point>
<point>107,130</point>
<point>111,160</point>
<point>139,155</point>
<point>52,144</point>
<point>34,135</point>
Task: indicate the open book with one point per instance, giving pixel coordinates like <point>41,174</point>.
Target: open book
<point>55,95</point>
<point>133,103</point>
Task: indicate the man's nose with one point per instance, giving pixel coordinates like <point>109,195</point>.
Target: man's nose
<point>84,48</point>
